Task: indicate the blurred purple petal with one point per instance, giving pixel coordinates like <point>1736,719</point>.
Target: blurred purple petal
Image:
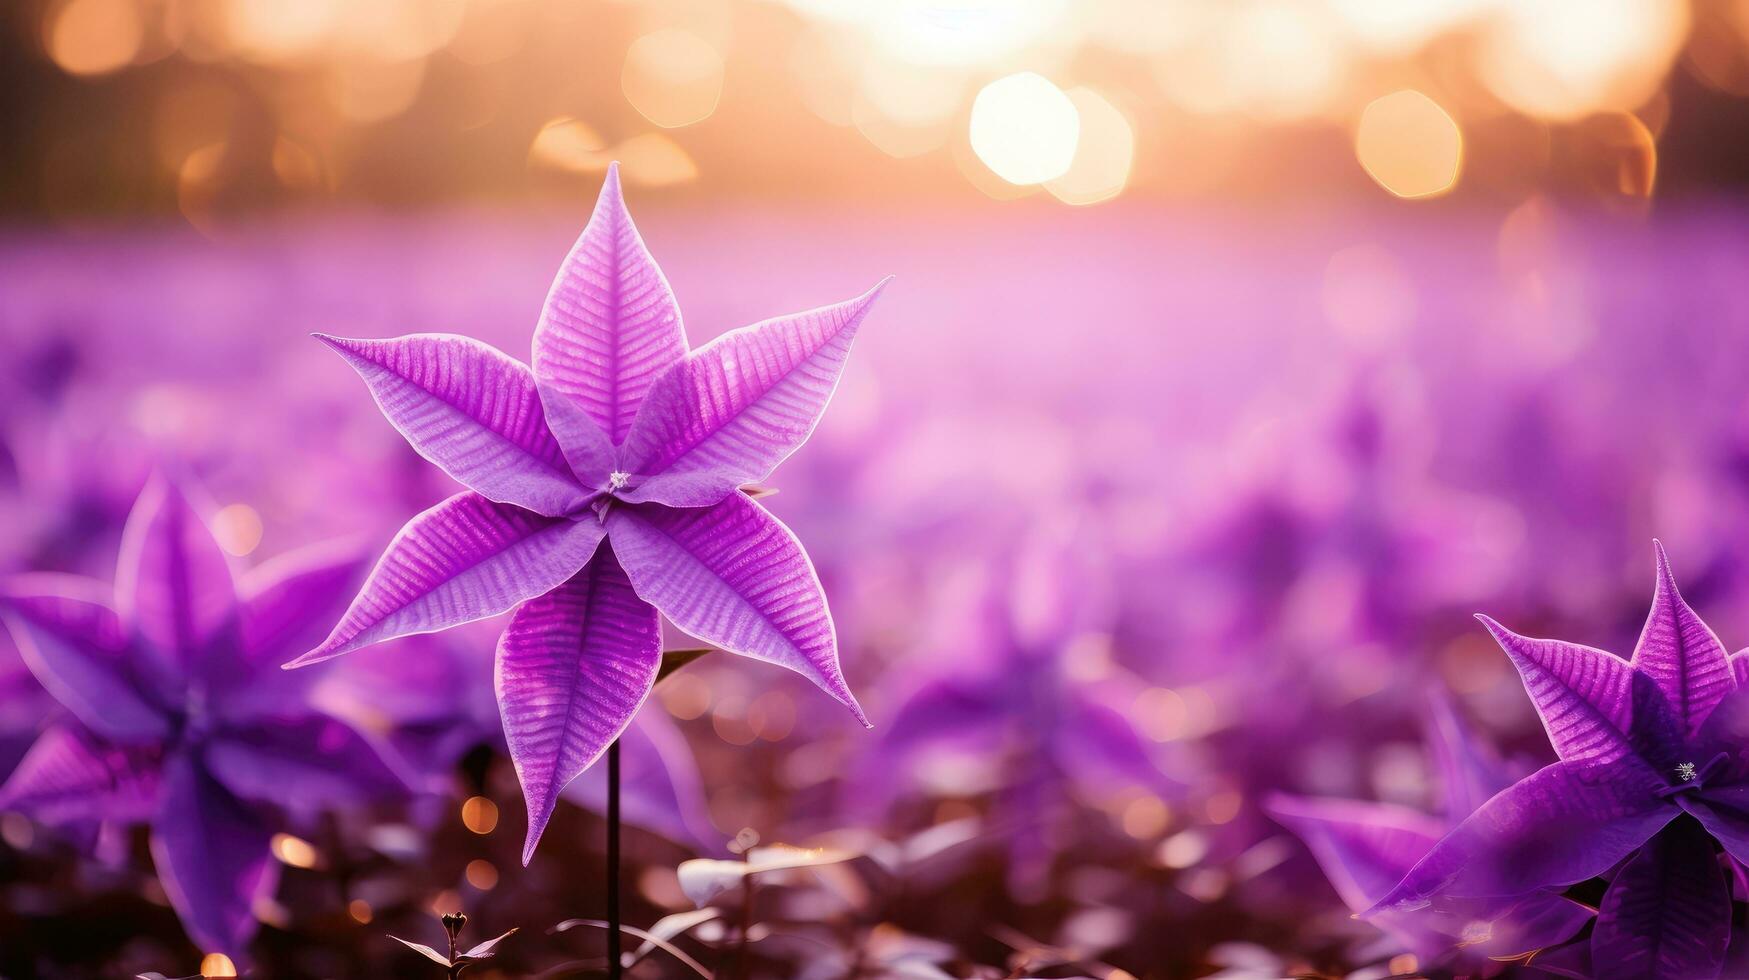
<point>1098,744</point>
<point>574,665</point>
<point>661,789</point>
<point>173,585</point>
<point>69,775</point>
<point>734,576</point>
<point>609,328</point>
<point>303,764</point>
<point>213,857</point>
<point>738,406</point>
<point>1469,772</point>
<point>471,410</point>
<point>78,650</point>
<point>465,559</point>
<point>289,604</point>
<point>1364,848</point>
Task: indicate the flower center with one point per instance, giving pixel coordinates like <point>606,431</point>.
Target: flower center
<point>616,481</point>
<point>1692,776</point>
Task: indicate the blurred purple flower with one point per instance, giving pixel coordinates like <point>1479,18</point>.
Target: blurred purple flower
<point>1366,848</point>
<point>175,724</point>
<point>1640,742</point>
<point>618,433</point>
<point>1029,692</point>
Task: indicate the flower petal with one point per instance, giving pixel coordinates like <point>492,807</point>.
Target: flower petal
<point>289,604</point>
<point>1469,772</point>
<point>1364,848</point>
<point>1583,695</point>
<point>173,585</point>
<point>1724,812</point>
<point>609,328</point>
<point>734,576</point>
<point>1668,912</point>
<point>69,775</point>
<point>1562,824</point>
<point>573,668</point>
<point>1682,654</point>
<point>738,406</point>
<point>465,559</point>
<point>473,411</point>
<point>660,786</point>
<point>304,764</point>
<point>213,858</point>
<point>79,651</point>
<point>1099,746</point>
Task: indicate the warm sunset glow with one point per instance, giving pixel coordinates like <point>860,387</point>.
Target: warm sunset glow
<point>94,37</point>
<point>238,528</point>
<point>294,851</point>
<point>1409,145</point>
<point>673,77</point>
<point>570,145</point>
<point>480,815</point>
<point>1103,154</point>
<point>1561,59</point>
<point>1025,129</point>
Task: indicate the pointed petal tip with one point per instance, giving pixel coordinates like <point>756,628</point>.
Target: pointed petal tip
<point>843,696</point>
<point>536,827</point>
<point>1666,577</point>
<point>315,656</point>
<point>1493,626</point>
<point>611,188</point>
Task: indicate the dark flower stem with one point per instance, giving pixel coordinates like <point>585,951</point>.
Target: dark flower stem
<point>613,961</point>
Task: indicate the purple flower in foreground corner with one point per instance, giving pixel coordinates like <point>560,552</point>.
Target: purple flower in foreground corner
<point>1650,749</point>
<point>1366,848</point>
<point>618,432</point>
<point>175,724</point>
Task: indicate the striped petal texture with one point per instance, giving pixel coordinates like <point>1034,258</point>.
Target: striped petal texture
<point>573,668</point>
<point>465,559</point>
<point>733,576</point>
<point>609,329</point>
<point>737,407</point>
<point>471,410</point>
<point>1583,695</point>
<point>1681,653</point>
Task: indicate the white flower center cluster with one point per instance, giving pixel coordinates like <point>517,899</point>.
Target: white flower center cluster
<point>616,481</point>
<point>1686,772</point>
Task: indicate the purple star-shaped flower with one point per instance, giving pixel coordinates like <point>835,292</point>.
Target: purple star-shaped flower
<point>175,725</point>
<point>1365,849</point>
<point>1641,743</point>
<point>617,433</point>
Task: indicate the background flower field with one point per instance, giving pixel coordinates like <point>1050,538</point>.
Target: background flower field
<point>1133,516</point>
